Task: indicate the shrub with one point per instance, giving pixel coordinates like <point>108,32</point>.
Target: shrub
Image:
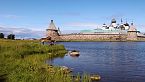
<point>1,35</point>
<point>11,36</point>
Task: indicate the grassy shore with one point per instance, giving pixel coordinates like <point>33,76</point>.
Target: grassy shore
<point>24,61</point>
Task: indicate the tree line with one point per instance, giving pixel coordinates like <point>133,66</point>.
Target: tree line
<point>10,36</point>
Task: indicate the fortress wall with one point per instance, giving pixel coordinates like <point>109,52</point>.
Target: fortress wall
<point>131,35</point>
<point>141,38</point>
<point>93,37</point>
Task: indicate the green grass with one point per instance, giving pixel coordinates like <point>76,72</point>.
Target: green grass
<point>24,61</point>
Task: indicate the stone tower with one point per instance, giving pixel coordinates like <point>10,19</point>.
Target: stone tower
<point>132,33</point>
<point>52,31</point>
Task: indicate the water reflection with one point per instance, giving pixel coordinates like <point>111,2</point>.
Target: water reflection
<point>114,61</point>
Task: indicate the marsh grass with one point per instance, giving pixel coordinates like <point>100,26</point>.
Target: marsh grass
<point>24,61</point>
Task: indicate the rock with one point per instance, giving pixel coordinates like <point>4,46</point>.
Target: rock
<point>76,78</point>
<point>65,69</point>
<point>50,66</point>
<point>74,53</point>
<point>95,77</point>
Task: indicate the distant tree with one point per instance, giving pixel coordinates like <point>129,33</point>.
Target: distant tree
<point>1,35</point>
<point>11,36</point>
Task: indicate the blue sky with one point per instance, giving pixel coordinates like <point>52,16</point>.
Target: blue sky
<point>32,17</point>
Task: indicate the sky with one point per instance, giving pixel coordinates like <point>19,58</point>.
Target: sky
<point>30,18</point>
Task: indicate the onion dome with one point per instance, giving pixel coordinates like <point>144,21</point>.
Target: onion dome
<point>113,21</point>
<point>126,24</point>
<point>122,27</point>
<point>104,25</point>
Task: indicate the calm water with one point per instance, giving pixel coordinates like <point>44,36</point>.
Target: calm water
<point>113,61</point>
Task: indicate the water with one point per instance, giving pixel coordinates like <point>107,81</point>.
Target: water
<point>113,61</point>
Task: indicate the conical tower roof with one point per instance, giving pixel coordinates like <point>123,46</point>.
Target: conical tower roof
<point>52,26</point>
<point>59,30</point>
<point>132,28</point>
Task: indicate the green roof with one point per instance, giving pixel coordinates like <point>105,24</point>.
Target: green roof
<point>101,31</point>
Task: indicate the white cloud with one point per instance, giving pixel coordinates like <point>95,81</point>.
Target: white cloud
<point>22,32</point>
<point>10,16</point>
<point>90,25</point>
<point>140,27</point>
<point>70,31</point>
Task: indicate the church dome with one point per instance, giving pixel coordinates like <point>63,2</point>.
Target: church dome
<point>113,21</point>
<point>126,24</point>
<point>122,27</point>
<point>104,25</point>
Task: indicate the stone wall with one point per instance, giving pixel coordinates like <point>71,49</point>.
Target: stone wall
<point>69,37</point>
<point>132,35</point>
<point>140,38</point>
<point>53,34</point>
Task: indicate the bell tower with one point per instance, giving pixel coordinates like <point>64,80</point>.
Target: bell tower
<point>52,31</point>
